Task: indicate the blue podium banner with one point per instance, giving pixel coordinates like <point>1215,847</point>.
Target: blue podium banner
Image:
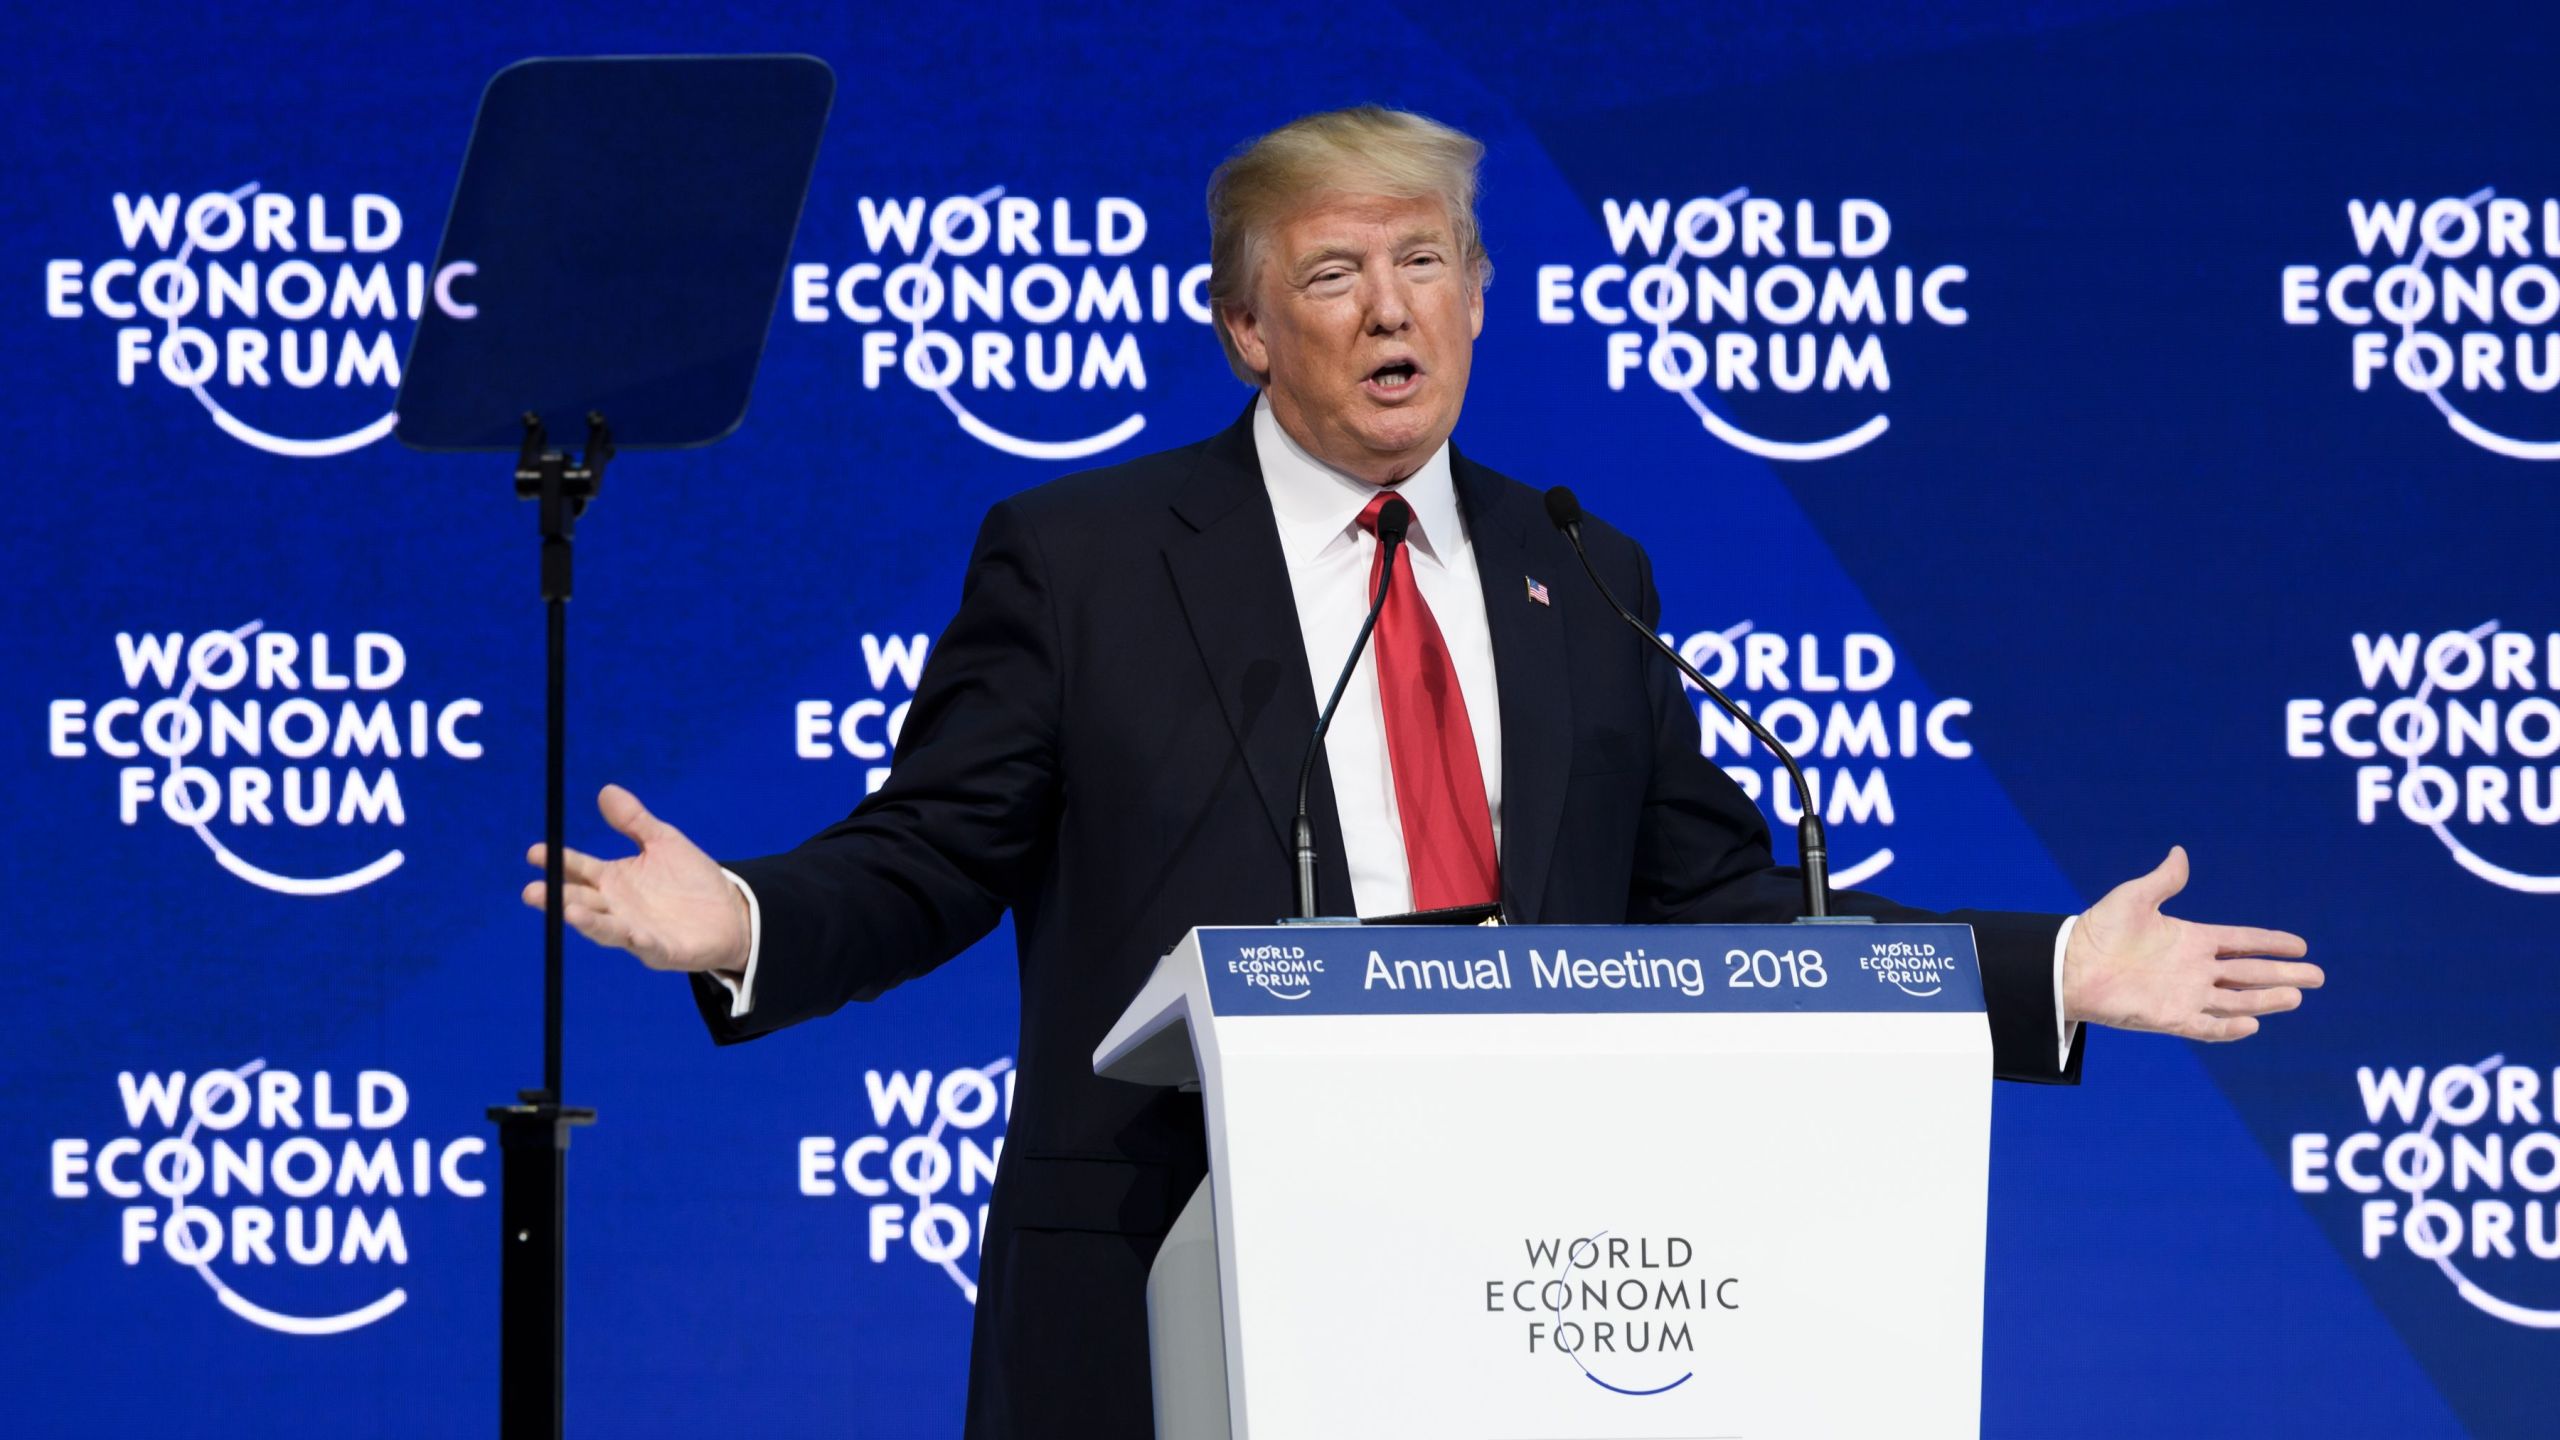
<point>1591,969</point>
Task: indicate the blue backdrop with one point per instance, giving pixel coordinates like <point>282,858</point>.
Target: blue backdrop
<point>2094,425</point>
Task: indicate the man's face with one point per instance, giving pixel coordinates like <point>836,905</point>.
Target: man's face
<point>1364,316</point>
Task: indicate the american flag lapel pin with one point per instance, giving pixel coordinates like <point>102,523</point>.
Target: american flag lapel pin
<point>1537,592</point>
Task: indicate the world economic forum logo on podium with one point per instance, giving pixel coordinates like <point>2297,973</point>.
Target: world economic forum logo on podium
<point>1918,970</point>
<point>1628,1312</point>
<point>1283,972</point>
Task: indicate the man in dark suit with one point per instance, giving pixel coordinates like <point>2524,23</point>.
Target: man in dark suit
<point>1106,741</point>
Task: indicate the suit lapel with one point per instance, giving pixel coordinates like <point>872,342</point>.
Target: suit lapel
<point>1529,670</point>
<point>1234,584</point>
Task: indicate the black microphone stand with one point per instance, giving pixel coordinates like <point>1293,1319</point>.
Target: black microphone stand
<point>1813,851</point>
<point>1394,519</point>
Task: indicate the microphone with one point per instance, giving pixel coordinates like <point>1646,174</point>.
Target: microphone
<point>1394,519</point>
<point>1813,852</point>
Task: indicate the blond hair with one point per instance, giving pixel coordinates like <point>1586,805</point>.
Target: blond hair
<point>1364,150</point>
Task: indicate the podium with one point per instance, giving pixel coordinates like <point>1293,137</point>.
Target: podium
<point>1572,1183</point>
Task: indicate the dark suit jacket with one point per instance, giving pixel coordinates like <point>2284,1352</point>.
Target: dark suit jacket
<point>1105,742</point>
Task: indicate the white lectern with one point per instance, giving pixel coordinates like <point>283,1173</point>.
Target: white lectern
<point>1572,1183</point>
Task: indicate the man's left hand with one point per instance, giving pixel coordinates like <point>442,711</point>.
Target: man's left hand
<point>2134,968</point>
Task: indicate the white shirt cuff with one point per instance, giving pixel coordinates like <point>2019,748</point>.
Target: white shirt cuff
<point>742,986</point>
<point>2067,1026</point>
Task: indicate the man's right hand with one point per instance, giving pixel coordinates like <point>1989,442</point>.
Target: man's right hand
<point>669,904</point>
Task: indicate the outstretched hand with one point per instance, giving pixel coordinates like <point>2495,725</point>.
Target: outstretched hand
<point>669,904</point>
<point>2134,968</point>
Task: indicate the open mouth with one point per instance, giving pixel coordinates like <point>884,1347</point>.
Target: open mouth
<point>1395,375</point>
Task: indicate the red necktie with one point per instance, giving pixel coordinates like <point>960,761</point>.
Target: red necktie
<point>1431,749</point>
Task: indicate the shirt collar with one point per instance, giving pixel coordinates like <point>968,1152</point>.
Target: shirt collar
<point>1318,506</point>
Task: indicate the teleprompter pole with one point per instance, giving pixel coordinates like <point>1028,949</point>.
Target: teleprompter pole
<point>533,1134</point>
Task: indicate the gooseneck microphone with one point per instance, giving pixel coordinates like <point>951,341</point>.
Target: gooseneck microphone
<point>1394,519</point>
<point>1814,853</point>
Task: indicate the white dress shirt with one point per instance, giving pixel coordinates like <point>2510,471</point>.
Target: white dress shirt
<point>1328,555</point>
